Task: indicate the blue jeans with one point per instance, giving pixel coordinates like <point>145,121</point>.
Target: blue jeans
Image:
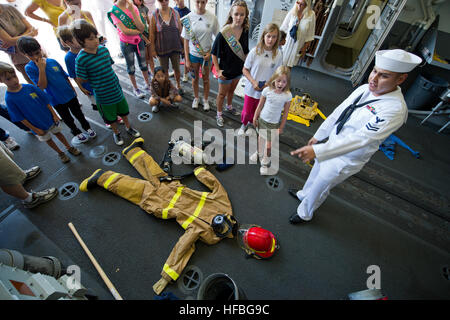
<point>195,59</point>
<point>129,50</point>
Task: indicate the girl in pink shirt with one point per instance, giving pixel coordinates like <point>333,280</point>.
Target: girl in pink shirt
<point>126,18</point>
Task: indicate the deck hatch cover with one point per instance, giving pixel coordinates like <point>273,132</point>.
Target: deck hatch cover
<point>68,191</point>
<point>111,158</point>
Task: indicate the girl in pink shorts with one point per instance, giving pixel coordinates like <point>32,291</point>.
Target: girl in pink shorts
<point>259,66</point>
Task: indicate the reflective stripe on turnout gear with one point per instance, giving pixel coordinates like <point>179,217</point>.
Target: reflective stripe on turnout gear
<point>198,170</point>
<point>172,202</point>
<point>172,273</point>
<point>196,212</point>
<point>135,156</point>
<point>109,180</point>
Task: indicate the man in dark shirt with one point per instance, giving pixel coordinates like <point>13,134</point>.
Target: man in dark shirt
<point>181,8</point>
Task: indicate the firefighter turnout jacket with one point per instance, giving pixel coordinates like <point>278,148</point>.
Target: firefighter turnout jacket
<point>193,210</point>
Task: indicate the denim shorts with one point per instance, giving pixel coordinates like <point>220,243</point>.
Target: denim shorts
<point>129,51</point>
<point>228,81</point>
<point>195,59</point>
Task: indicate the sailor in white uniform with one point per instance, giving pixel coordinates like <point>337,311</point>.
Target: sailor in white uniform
<point>355,129</point>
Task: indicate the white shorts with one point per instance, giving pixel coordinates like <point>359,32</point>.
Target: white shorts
<point>56,128</point>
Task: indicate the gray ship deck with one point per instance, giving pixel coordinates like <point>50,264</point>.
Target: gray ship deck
<point>394,214</point>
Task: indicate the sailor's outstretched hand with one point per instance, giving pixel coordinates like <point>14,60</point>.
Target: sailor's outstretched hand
<point>305,153</point>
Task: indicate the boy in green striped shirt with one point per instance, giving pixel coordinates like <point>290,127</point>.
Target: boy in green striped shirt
<point>93,64</point>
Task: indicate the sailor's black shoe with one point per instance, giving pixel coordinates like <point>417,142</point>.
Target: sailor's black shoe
<point>295,219</point>
<point>293,192</point>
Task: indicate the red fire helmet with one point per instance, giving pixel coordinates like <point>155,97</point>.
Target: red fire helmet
<point>257,241</point>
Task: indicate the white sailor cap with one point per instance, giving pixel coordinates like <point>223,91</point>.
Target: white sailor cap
<point>396,60</point>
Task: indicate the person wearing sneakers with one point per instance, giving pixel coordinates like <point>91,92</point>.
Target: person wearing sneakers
<point>12,177</point>
<point>229,52</point>
<point>130,25</point>
<point>354,131</point>
<point>199,30</point>
<point>163,91</point>
<point>260,65</point>
<point>271,115</point>
<point>64,34</point>
<point>31,106</point>
<point>94,64</point>
<point>50,77</point>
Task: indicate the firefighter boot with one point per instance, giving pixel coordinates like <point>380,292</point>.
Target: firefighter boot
<point>90,182</point>
<point>136,143</point>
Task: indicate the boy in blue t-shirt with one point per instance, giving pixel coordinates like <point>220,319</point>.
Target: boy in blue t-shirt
<point>65,36</point>
<point>49,76</point>
<point>31,106</point>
